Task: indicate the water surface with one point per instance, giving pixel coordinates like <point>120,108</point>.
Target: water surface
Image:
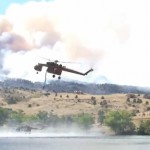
<point>76,143</point>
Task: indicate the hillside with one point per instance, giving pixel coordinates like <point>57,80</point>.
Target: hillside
<point>69,99</point>
<point>70,87</point>
<point>32,102</point>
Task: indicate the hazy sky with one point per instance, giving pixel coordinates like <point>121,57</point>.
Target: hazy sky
<point>112,36</point>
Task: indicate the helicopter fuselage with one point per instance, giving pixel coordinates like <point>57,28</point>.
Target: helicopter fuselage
<point>54,68</point>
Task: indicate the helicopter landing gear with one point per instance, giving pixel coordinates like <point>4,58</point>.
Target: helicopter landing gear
<point>36,72</point>
<point>54,76</point>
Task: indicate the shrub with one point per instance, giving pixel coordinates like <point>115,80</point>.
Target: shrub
<point>120,122</point>
<point>148,108</point>
<point>84,120</point>
<point>76,96</point>
<point>103,103</point>
<point>134,100</point>
<point>94,102</point>
<point>139,100</point>
<point>67,120</point>
<point>102,97</point>
<point>93,99</point>
<point>4,114</point>
<point>131,95</point>
<point>42,115</point>
<point>129,104</point>
<point>146,102</point>
<point>12,100</point>
<point>144,128</point>
<point>101,116</point>
<point>29,105</point>
<point>134,112</point>
<point>128,99</point>
<point>79,100</point>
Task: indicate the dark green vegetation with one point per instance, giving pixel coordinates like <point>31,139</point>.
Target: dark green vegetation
<point>84,120</point>
<point>144,128</point>
<point>13,118</point>
<point>70,103</point>
<point>101,116</point>
<point>120,122</point>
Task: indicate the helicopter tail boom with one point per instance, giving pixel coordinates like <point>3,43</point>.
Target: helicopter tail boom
<point>76,72</point>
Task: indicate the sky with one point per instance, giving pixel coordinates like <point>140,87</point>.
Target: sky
<point>112,37</point>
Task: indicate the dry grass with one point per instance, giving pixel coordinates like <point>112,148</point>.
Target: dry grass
<point>39,101</point>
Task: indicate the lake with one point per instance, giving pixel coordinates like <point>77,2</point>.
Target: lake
<point>76,143</point>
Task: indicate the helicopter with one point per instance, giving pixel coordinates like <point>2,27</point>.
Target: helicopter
<point>56,69</point>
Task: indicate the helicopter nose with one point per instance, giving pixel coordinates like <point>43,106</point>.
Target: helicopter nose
<point>38,67</point>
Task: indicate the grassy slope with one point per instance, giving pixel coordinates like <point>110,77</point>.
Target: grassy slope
<point>70,105</point>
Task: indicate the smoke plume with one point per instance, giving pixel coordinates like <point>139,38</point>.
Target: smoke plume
<point>99,32</point>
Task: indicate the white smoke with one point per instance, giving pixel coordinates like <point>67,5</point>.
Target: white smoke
<point>112,35</point>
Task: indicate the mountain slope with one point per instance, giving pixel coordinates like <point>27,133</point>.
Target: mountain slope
<point>70,87</point>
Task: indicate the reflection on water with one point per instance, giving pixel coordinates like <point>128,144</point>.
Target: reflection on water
<point>77,143</point>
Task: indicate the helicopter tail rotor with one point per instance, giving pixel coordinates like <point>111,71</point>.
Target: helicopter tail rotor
<point>88,71</point>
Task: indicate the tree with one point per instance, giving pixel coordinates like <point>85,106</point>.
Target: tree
<point>120,122</point>
<point>67,120</point>
<point>17,117</point>
<point>101,116</point>
<point>93,99</point>
<point>42,115</point>
<point>84,120</point>
<point>134,100</point>
<point>4,113</point>
<point>144,128</point>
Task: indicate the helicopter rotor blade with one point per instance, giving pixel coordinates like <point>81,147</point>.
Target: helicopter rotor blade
<point>56,61</point>
<point>69,62</point>
<point>45,58</point>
